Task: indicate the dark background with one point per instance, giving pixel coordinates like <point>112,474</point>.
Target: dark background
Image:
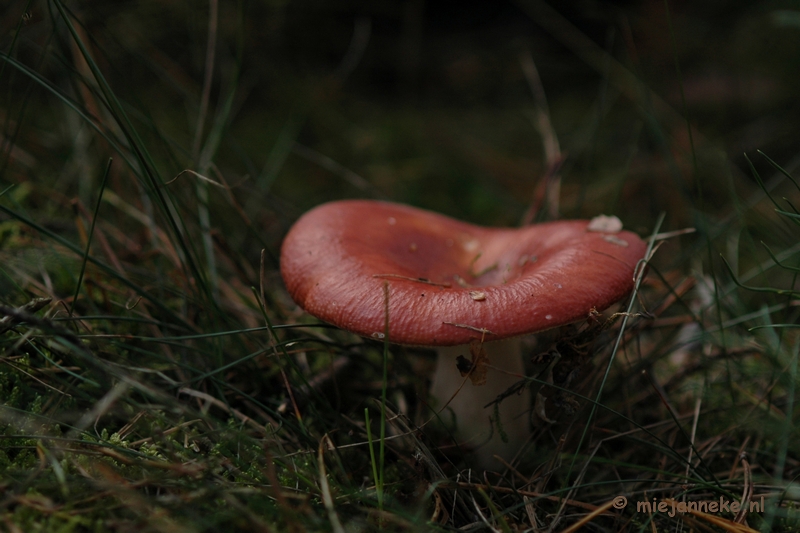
<point>435,109</point>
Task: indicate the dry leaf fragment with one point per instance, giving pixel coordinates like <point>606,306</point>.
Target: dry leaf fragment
<point>477,368</point>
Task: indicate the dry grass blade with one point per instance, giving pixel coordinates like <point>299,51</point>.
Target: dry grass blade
<point>589,517</point>
<point>327,499</point>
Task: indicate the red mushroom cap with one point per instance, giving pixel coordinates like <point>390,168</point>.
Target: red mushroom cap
<point>448,280</point>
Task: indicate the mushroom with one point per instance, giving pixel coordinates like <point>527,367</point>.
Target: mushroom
<point>451,284</point>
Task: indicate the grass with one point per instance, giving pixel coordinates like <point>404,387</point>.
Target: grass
<point>155,375</point>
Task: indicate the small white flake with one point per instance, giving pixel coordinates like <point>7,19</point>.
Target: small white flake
<point>478,296</point>
<point>461,281</point>
<point>605,224</point>
<point>469,243</point>
<point>548,317</point>
<point>616,240</point>
<point>392,221</point>
<point>377,335</point>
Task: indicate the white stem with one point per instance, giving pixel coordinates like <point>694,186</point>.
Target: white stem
<point>473,421</point>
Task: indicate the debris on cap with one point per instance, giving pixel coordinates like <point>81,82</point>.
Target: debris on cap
<point>605,224</point>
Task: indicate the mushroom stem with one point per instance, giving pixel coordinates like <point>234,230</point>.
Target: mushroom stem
<point>473,420</point>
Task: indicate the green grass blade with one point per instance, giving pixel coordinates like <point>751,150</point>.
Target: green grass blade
<point>756,289</point>
<point>89,238</point>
